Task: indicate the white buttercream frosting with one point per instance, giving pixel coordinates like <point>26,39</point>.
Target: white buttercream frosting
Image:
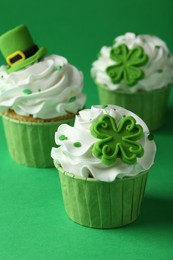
<point>79,160</point>
<point>47,89</point>
<point>158,71</point>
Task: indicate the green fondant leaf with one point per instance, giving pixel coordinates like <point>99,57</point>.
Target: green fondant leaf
<point>131,74</point>
<point>119,54</point>
<point>117,141</point>
<point>115,72</point>
<point>137,57</point>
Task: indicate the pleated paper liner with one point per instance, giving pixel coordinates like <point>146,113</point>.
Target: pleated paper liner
<point>151,106</point>
<point>30,143</point>
<point>98,204</point>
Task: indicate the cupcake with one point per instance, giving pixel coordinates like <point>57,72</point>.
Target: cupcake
<point>103,163</point>
<point>136,73</point>
<point>37,94</point>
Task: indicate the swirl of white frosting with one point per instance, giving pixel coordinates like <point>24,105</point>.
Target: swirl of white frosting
<point>79,160</point>
<point>47,89</point>
<point>158,71</point>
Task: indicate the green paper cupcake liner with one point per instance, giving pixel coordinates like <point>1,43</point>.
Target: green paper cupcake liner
<point>151,106</point>
<point>30,143</point>
<point>98,204</point>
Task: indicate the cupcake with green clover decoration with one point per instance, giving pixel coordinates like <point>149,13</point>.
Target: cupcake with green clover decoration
<point>136,73</point>
<point>103,163</point>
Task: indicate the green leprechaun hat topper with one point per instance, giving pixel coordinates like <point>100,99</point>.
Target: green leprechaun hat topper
<point>18,48</point>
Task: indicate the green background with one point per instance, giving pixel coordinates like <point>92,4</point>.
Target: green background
<point>33,224</point>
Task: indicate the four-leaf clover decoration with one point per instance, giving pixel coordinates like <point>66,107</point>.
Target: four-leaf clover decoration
<point>117,141</point>
<point>127,64</point>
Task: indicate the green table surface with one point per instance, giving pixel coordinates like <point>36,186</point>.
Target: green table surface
<point>33,223</point>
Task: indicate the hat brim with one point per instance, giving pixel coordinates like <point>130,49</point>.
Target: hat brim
<point>20,65</point>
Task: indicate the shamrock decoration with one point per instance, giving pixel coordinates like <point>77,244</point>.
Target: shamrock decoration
<point>117,141</point>
<point>127,64</point>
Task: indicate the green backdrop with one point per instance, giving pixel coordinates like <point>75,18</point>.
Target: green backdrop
<point>33,224</point>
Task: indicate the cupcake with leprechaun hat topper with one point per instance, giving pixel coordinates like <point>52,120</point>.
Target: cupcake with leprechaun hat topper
<point>103,163</point>
<point>37,93</point>
<point>136,73</point>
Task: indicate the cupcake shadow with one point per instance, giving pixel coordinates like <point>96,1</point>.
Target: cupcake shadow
<point>156,212</point>
<point>167,128</point>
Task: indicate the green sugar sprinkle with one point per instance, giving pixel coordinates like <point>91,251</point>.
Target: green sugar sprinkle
<point>58,67</point>
<point>27,91</point>
<point>72,99</point>
<point>157,46</point>
<point>160,71</point>
<point>150,137</point>
<point>104,106</point>
<point>77,144</point>
<point>63,137</point>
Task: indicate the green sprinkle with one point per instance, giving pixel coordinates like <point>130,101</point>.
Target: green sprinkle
<point>150,137</point>
<point>59,67</point>
<point>104,106</point>
<point>160,71</point>
<point>63,137</point>
<point>39,89</point>
<point>157,46</point>
<point>77,144</point>
<point>72,99</point>
<point>27,91</point>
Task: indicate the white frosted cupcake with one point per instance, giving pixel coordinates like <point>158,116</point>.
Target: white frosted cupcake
<point>136,73</point>
<point>34,101</point>
<point>103,162</point>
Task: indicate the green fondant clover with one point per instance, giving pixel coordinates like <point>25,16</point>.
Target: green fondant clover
<point>127,64</point>
<point>117,141</point>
